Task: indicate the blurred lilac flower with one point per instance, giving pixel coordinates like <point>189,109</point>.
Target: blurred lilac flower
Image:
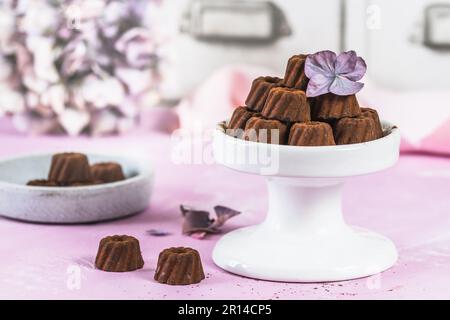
<point>103,92</point>
<point>138,47</point>
<point>77,66</point>
<point>338,74</point>
<point>11,100</point>
<point>73,121</point>
<point>75,58</point>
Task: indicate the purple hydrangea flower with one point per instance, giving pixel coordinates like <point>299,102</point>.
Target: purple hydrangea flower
<point>338,74</point>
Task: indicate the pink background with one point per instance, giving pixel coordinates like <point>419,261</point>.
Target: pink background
<point>409,203</point>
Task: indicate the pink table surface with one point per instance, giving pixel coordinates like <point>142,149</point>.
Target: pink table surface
<point>409,203</point>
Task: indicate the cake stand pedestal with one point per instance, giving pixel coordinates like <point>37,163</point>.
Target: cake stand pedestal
<point>304,237</point>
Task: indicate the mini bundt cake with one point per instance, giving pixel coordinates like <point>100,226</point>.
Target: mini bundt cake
<point>119,254</point>
<point>41,183</point>
<point>311,134</point>
<point>355,130</point>
<point>330,106</point>
<point>368,112</point>
<point>67,168</point>
<point>286,104</point>
<point>179,266</point>
<point>239,119</point>
<point>259,92</point>
<point>107,172</point>
<point>263,130</point>
<point>295,73</point>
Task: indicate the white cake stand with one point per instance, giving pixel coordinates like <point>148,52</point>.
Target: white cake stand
<point>304,237</point>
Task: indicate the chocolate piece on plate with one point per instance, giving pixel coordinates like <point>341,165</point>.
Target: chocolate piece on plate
<point>259,91</point>
<point>41,183</point>
<point>295,73</point>
<point>355,130</point>
<point>238,120</point>
<point>67,168</point>
<point>368,112</point>
<point>311,134</point>
<point>265,131</point>
<point>107,172</point>
<point>330,106</point>
<point>290,105</point>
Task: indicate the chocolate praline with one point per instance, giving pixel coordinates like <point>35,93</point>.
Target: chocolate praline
<point>69,167</point>
<point>107,172</point>
<point>266,131</point>
<point>179,266</point>
<point>289,105</point>
<point>259,91</point>
<point>311,134</point>
<point>355,130</point>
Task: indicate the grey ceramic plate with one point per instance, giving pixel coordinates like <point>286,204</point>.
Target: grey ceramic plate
<point>72,204</point>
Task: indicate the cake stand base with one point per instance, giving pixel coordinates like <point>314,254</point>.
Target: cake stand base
<point>304,238</point>
<point>253,252</point>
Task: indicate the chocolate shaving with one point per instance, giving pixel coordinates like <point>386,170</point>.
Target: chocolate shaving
<point>198,224</point>
<point>158,233</point>
<point>223,214</point>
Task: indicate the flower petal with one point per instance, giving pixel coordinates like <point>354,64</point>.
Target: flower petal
<point>358,72</point>
<point>318,85</point>
<point>346,62</point>
<point>343,87</point>
<point>322,62</point>
<point>223,214</point>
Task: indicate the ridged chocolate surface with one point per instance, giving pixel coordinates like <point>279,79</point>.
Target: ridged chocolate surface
<point>311,134</point>
<point>107,172</point>
<point>295,73</point>
<point>240,117</point>
<point>368,112</point>
<point>67,168</point>
<point>179,266</point>
<point>286,104</point>
<point>354,130</point>
<point>259,92</point>
<point>260,130</point>
<point>119,254</point>
<point>331,106</point>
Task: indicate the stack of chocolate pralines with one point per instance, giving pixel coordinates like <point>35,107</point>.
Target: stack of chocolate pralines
<point>282,104</point>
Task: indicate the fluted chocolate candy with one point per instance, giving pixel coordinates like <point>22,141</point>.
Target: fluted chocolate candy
<point>107,172</point>
<point>311,134</point>
<point>67,168</point>
<point>240,117</point>
<point>368,112</point>
<point>119,254</point>
<point>355,130</point>
<point>290,105</point>
<point>265,131</point>
<point>259,91</point>
<point>295,73</point>
<point>179,266</point>
<point>330,106</point>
